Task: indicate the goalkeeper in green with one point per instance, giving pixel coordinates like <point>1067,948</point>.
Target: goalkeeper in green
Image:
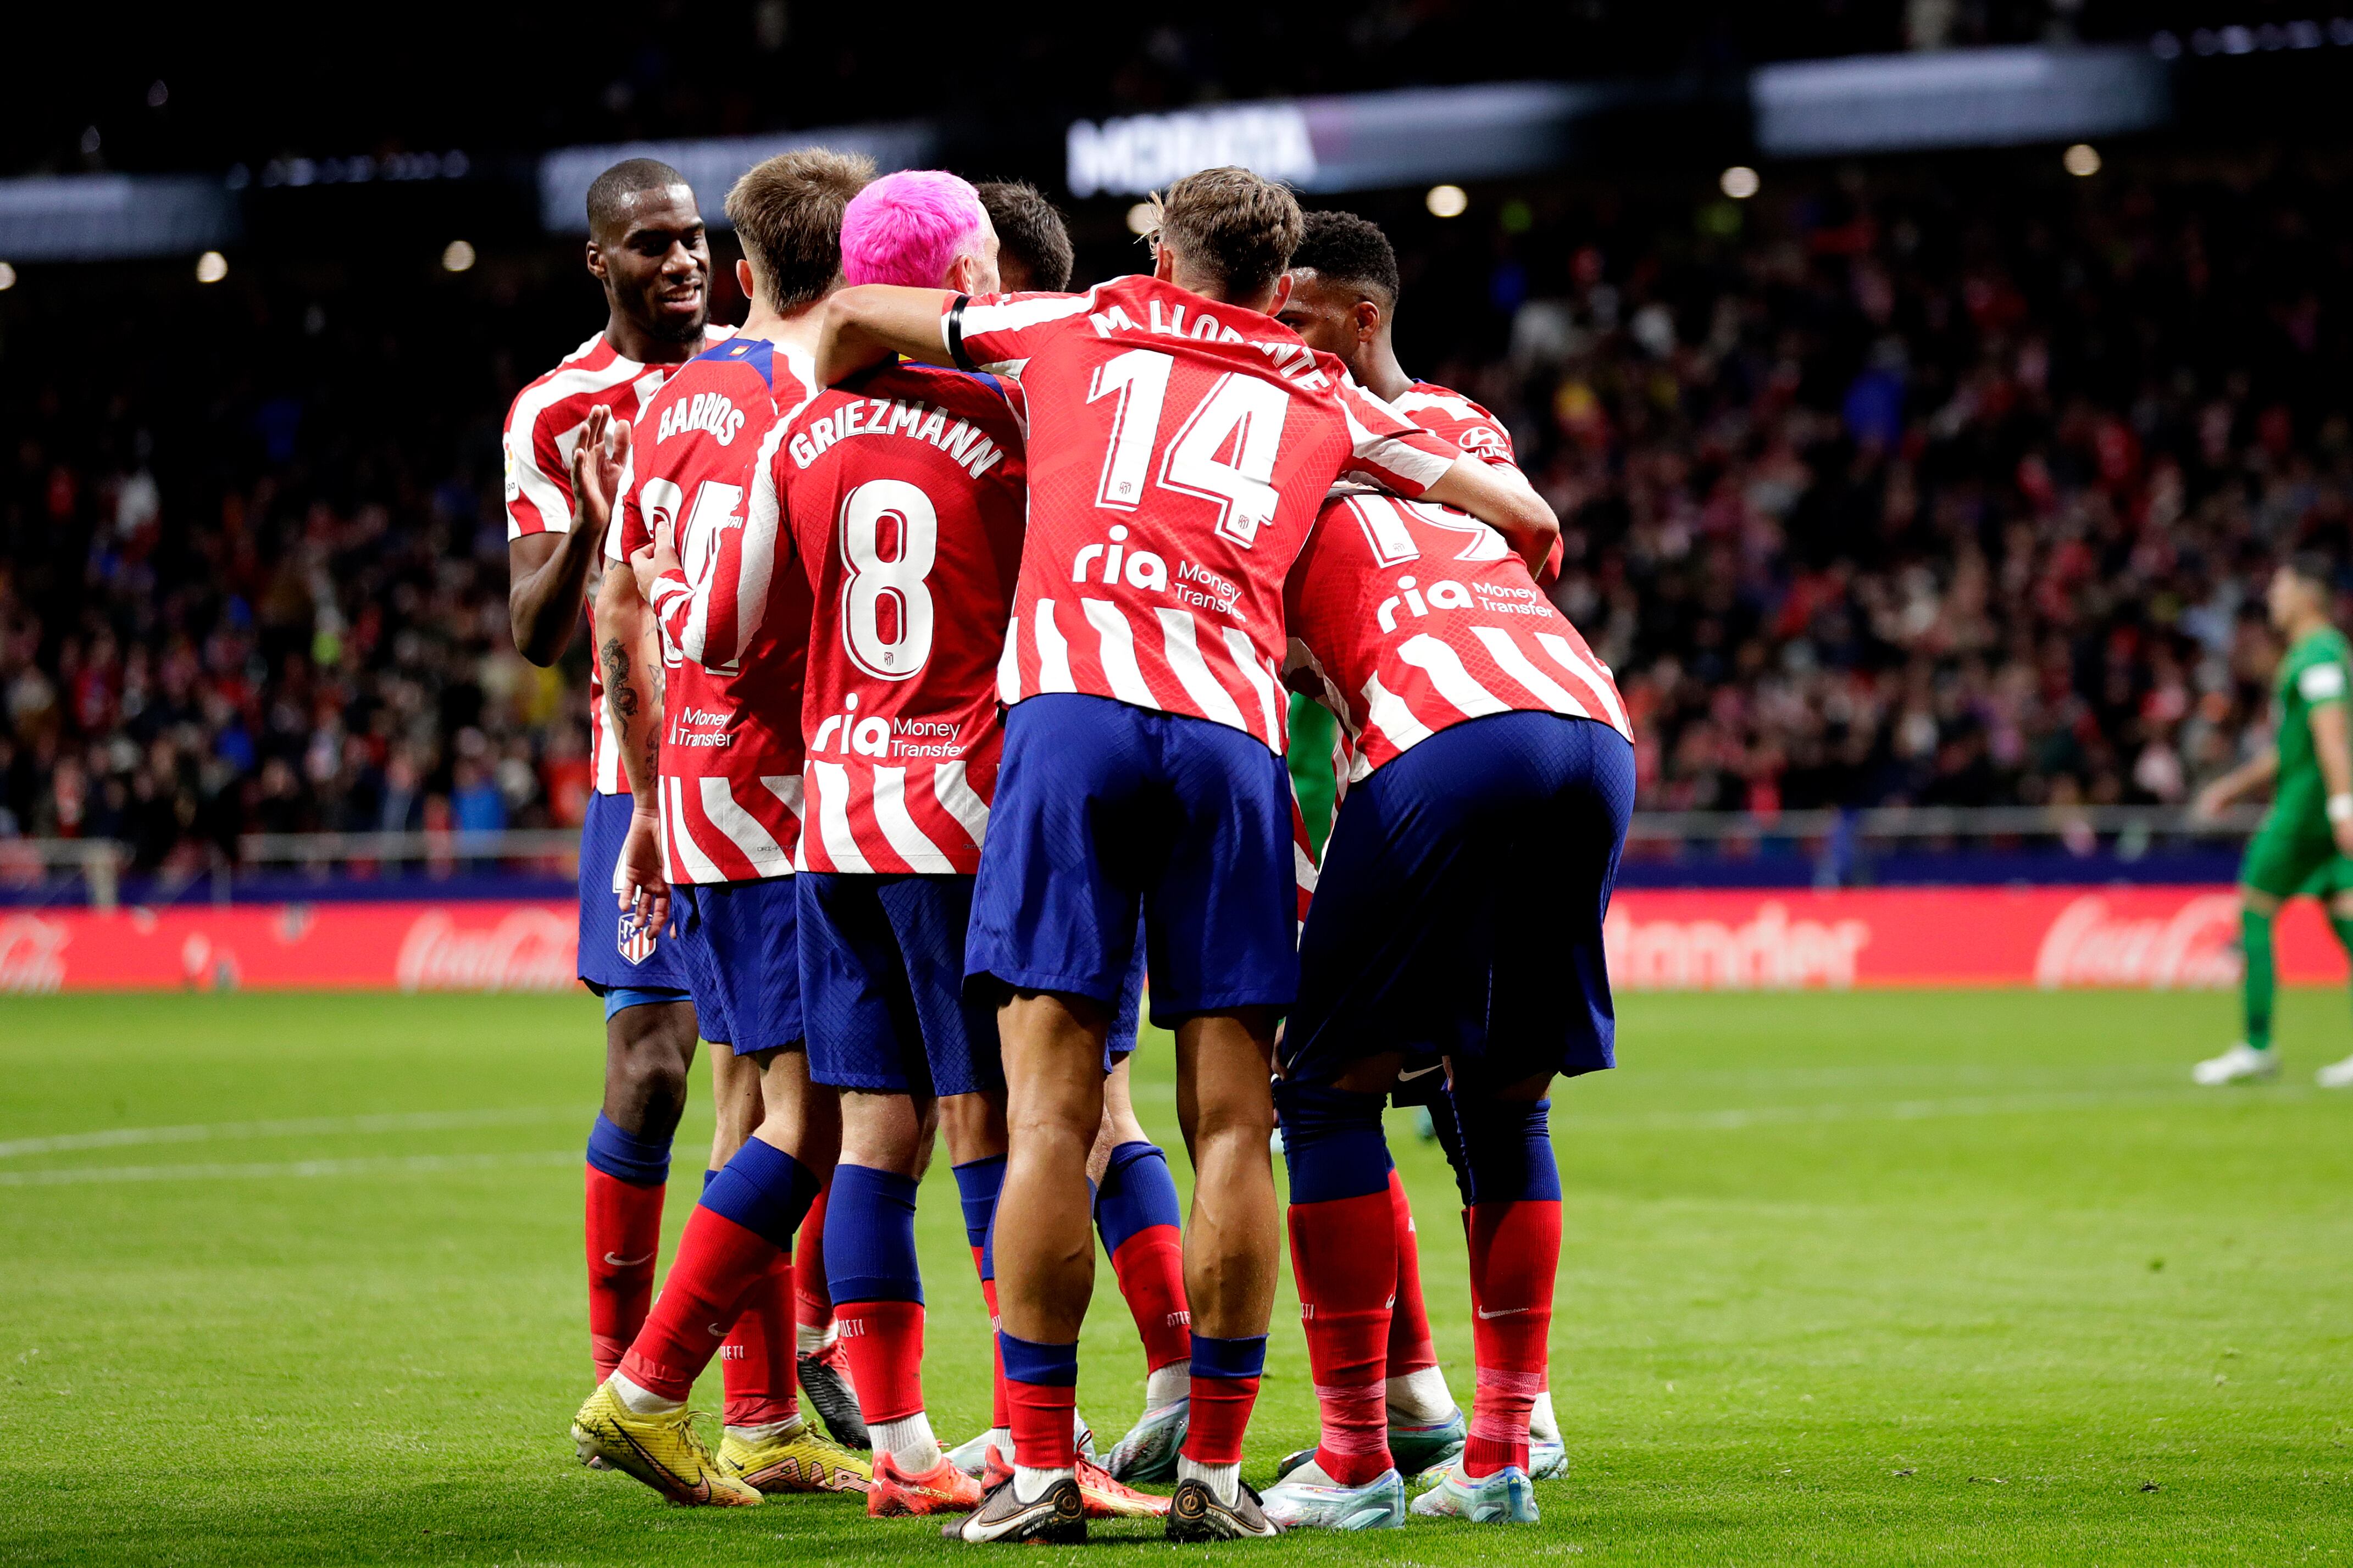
<point>2305,842</point>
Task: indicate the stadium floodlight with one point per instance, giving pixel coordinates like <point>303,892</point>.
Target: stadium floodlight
<point>1446,201</point>
<point>1142,219</point>
<point>457,256</point>
<point>1740,182</point>
<point>8,277</point>
<point>2082,160</point>
<point>211,267</point>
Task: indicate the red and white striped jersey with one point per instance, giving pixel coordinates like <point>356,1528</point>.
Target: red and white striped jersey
<point>1407,617</point>
<point>542,427</point>
<point>1178,450</point>
<point>903,493</point>
<point>730,743</point>
<point>1445,413</point>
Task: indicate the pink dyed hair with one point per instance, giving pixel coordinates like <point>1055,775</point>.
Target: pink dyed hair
<point>909,229</point>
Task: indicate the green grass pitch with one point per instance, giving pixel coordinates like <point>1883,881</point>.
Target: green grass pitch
<point>1874,1278</point>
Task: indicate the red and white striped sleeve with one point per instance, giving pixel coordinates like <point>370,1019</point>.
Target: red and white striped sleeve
<point>1000,334</point>
<point>713,621</point>
<point>1384,446</point>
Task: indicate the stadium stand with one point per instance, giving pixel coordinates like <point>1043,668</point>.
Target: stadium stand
<point>1875,493</point>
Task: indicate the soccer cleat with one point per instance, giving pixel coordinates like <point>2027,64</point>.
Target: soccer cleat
<point>663,1451</point>
<point>2241,1064</point>
<point>972,1455</point>
<point>896,1494</point>
<point>1547,1461</point>
<point>1104,1497</point>
<point>1307,1499</point>
<point>1058,1517</point>
<point>1148,1452</point>
<point>825,1378</point>
<point>1415,1446</point>
<point>1504,1498</point>
<point>797,1457</point>
<point>1196,1514</point>
<point>2336,1075</point>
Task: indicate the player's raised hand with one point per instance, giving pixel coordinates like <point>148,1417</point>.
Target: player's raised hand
<point>597,463</point>
<point>644,890</point>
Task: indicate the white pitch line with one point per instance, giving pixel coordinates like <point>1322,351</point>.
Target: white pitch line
<point>1736,1118</point>
<point>301,1126</point>
<point>382,1165</point>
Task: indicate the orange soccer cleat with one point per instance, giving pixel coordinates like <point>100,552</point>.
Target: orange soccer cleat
<point>942,1489</point>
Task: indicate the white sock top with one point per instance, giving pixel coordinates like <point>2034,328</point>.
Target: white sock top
<point>1226,1480</point>
<point>1030,1484</point>
<point>1422,1397</point>
<point>1168,1384</point>
<point>910,1442</point>
<point>640,1401</point>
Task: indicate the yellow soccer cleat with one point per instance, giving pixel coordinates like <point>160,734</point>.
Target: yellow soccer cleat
<point>663,1451</point>
<point>796,1457</point>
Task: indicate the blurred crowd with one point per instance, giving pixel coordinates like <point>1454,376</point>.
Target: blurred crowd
<point>1955,491</point>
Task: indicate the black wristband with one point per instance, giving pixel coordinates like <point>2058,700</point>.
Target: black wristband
<point>955,333</point>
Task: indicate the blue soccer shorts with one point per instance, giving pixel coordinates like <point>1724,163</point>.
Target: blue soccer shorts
<point>1105,810</point>
<point>606,948</point>
<point>1459,909</point>
<point>741,952</point>
<point>883,991</point>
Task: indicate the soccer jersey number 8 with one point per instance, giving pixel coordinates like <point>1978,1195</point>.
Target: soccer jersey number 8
<point>886,606</point>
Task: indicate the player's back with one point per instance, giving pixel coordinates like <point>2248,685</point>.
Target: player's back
<point>1178,450</point>
<point>731,749</point>
<point>906,491</point>
<point>1416,617</point>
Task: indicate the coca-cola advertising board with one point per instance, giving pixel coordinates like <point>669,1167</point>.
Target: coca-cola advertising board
<point>2157,938</point>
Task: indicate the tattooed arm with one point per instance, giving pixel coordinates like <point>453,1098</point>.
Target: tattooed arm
<point>630,662</point>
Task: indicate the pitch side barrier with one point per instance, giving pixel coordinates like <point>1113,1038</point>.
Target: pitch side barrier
<point>447,912</point>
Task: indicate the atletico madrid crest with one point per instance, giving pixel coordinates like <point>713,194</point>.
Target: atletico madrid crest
<point>636,939</point>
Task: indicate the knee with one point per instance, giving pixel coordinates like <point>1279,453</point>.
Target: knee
<point>1243,1112</point>
<point>1506,1148</point>
<point>647,1062</point>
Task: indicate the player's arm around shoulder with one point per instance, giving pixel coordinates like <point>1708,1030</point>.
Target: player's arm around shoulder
<point>1500,496</point>
<point>863,324</point>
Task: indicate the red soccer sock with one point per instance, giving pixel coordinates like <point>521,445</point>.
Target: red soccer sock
<point>812,1298</point>
<point>1225,1375</point>
<point>1514,1255</point>
<point>1000,1408</point>
<point>623,1232</point>
<point>755,1365</point>
<point>1041,1388</point>
<point>1412,1348</point>
<point>885,1342</point>
<point>719,1264</point>
<point>1150,1266</point>
<point>1343,1253</point>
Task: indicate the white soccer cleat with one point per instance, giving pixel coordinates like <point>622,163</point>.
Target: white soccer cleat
<point>2336,1075</point>
<point>2241,1064</point>
<point>1307,1499</point>
<point>1504,1498</point>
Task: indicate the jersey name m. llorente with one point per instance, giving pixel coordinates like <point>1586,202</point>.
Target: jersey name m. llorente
<point>542,427</point>
<point>1413,617</point>
<point>1178,450</point>
<point>730,743</point>
<point>902,494</point>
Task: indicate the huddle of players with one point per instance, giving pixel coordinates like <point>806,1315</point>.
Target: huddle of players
<point>970,707</point>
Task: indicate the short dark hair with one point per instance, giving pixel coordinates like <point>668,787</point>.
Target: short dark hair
<point>1236,227</point>
<point>1031,233</point>
<point>2316,567</point>
<point>787,213</point>
<point>1352,252</point>
<point>611,190</point>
